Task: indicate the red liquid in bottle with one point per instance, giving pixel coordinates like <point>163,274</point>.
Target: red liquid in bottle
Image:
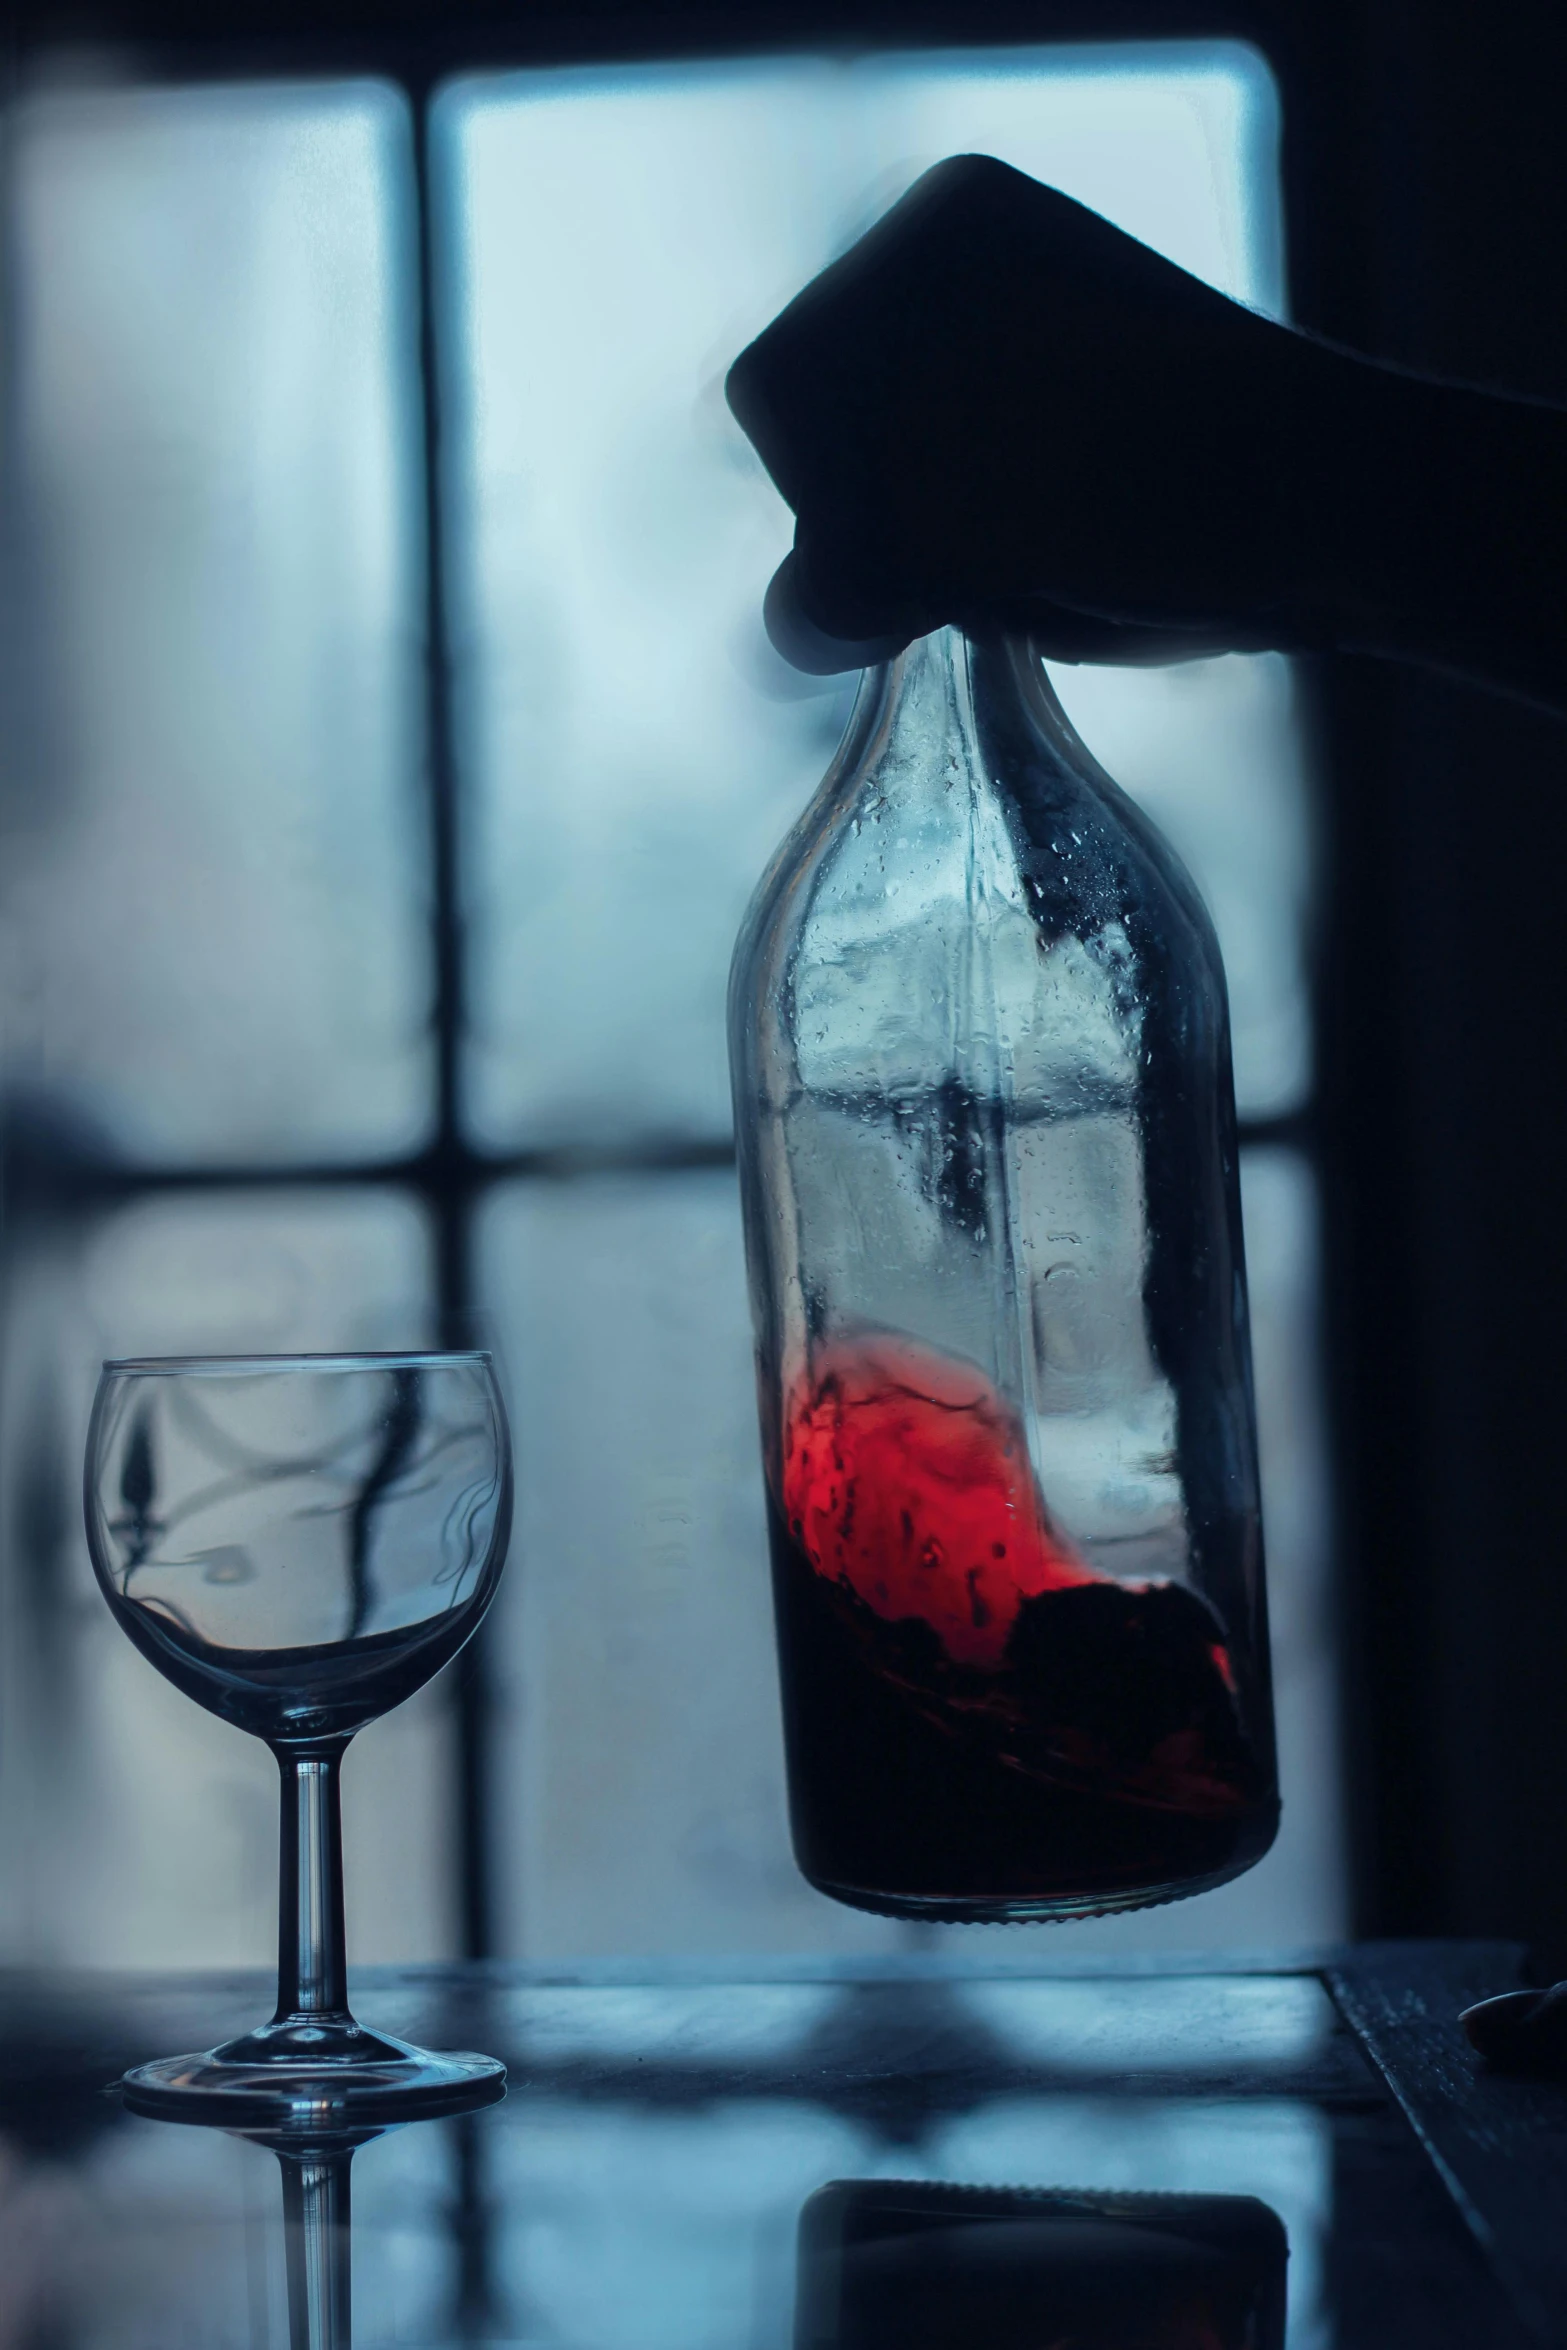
<point>974,1715</point>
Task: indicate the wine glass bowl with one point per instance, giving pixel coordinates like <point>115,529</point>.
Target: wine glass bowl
<point>298,1543</point>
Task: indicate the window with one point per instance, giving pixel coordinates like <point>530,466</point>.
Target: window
<point>355,999</point>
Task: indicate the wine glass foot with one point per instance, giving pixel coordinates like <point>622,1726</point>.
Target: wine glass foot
<point>404,2084</point>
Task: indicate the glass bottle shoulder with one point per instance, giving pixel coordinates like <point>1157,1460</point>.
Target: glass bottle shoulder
<point>970,899</point>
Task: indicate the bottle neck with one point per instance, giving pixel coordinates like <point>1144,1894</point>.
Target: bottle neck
<point>928,702</point>
<point>930,698</point>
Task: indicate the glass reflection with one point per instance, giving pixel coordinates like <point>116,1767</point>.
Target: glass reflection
<point>316,2219</point>
<point>884,2265</point>
<point>318,2241</point>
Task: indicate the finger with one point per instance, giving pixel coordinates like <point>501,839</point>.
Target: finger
<point>1061,633</point>
<point>1058,632</point>
<point>805,645</point>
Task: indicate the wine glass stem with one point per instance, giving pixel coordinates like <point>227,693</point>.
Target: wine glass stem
<point>312,1967</point>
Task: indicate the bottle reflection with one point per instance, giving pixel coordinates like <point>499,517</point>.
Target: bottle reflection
<point>885,2266</point>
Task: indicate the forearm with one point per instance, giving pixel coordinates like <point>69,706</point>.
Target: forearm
<point>1450,517</point>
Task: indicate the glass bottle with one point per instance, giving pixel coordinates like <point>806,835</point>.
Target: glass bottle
<point>980,1049</point>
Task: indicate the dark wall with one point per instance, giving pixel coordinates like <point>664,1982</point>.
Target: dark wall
<point>1430,197</point>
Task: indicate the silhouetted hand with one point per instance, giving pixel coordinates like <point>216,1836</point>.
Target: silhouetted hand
<point>998,410</point>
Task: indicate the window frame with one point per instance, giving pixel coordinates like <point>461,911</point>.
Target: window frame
<point>418,52</point>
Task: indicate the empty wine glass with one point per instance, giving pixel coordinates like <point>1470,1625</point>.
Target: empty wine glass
<point>298,1542</point>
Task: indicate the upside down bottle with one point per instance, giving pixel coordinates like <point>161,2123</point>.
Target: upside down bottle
<point>981,1060</point>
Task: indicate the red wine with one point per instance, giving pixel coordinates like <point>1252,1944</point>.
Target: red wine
<point>975,1718</point>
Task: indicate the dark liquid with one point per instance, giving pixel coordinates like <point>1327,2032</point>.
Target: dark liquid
<point>976,1722</point>
<point>287,1694</point>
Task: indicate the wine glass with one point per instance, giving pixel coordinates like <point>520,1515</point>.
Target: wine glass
<point>298,1542</point>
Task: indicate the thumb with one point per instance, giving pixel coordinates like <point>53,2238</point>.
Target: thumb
<point>851,582</point>
<point>800,638</point>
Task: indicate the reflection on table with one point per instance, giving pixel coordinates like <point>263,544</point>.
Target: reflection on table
<point>654,2180</point>
<point>885,2265</point>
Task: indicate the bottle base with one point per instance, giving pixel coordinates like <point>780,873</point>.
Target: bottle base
<point>1046,1909</point>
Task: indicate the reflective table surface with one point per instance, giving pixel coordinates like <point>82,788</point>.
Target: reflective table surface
<point>654,2175</point>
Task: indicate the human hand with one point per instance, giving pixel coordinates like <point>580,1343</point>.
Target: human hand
<point>998,410</point>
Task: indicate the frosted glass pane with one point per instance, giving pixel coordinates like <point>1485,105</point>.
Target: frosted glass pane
<point>1175,142</point>
<point>212,874</point>
<point>634,750</point>
<point>137,1829</point>
<point>637,751</point>
<point>638,1774</point>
